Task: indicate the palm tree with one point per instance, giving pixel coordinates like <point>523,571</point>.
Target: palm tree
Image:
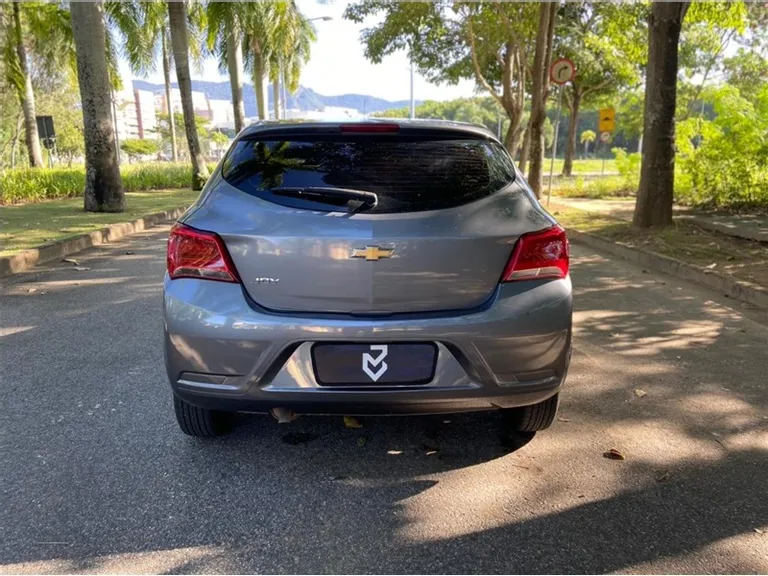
<point>277,40</point>
<point>225,41</point>
<point>177,17</point>
<point>103,185</point>
<point>26,95</point>
<point>144,26</point>
<point>33,33</point>
<point>260,20</point>
<point>299,43</point>
<point>291,46</point>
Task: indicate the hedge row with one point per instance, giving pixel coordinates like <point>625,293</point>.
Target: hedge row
<point>33,185</point>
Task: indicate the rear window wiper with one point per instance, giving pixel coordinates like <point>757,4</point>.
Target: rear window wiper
<point>323,194</point>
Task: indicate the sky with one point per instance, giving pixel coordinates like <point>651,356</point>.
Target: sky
<point>338,66</point>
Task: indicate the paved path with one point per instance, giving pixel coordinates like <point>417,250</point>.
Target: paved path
<point>749,226</point>
<point>97,478</point>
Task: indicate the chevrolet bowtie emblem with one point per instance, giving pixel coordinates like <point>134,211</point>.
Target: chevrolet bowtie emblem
<point>371,253</point>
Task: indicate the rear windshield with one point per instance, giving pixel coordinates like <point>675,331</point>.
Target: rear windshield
<point>406,175</point>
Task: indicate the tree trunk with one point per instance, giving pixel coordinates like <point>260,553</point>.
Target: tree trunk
<point>657,172</point>
<point>235,68</point>
<point>259,71</point>
<point>525,150</point>
<point>542,59</point>
<point>15,145</point>
<point>573,125</point>
<point>27,95</point>
<point>103,185</point>
<point>167,79</point>
<point>177,15</point>
<point>512,137</point>
<point>276,98</point>
<point>586,148</point>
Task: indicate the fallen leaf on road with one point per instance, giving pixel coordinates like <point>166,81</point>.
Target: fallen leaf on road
<point>446,421</point>
<point>711,266</point>
<point>32,290</point>
<point>761,532</point>
<point>663,477</point>
<point>394,452</point>
<point>429,450</point>
<point>361,441</point>
<point>129,253</point>
<point>679,357</point>
<point>613,454</point>
<point>81,268</point>
<point>352,422</point>
<point>70,261</point>
<point>563,419</point>
<point>640,393</point>
<point>645,271</point>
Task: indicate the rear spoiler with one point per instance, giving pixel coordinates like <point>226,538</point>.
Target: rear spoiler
<point>375,129</point>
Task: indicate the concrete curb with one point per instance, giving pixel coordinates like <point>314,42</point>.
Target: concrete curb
<point>745,233</point>
<point>738,289</point>
<point>61,248</point>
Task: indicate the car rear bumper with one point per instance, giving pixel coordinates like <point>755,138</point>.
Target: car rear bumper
<point>224,353</point>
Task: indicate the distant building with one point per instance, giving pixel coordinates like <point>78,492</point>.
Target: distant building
<point>146,117</point>
<point>221,112</point>
<point>126,119</point>
<point>327,113</point>
<point>199,103</point>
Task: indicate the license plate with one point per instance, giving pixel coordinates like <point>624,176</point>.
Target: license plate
<point>361,364</point>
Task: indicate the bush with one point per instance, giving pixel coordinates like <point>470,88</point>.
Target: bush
<point>724,162</point>
<point>34,185</point>
<point>628,166</point>
<point>600,187</point>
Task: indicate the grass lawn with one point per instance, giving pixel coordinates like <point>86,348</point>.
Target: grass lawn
<point>586,166</point>
<point>743,259</point>
<point>28,225</point>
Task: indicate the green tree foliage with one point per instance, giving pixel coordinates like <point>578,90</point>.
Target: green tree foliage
<point>491,43</point>
<point>606,65</point>
<point>726,158</point>
<point>205,135</point>
<point>135,148</point>
<point>61,100</point>
<point>479,110</point>
<point>747,71</point>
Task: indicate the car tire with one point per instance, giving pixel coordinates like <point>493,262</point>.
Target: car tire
<point>531,418</point>
<point>201,422</point>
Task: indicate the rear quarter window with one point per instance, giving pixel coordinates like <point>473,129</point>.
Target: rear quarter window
<point>407,175</point>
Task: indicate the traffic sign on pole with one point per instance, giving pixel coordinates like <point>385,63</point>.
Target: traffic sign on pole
<point>606,121</point>
<point>605,137</point>
<point>562,71</point>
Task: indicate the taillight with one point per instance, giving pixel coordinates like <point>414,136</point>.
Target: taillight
<point>198,254</point>
<point>370,128</point>
<point>538,255</point>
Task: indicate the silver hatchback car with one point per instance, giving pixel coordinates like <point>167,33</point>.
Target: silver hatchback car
<point>382,267</point>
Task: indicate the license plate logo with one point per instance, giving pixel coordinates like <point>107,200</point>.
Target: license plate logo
<point>370,363</point>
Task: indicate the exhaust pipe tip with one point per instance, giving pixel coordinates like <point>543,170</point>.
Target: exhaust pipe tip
<point>283,415</point>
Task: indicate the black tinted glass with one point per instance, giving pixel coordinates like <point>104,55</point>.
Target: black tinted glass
<point>406,175</point>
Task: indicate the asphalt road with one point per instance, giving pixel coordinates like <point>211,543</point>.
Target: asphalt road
<point>96,477</point>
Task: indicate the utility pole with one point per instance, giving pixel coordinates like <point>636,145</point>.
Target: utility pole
<point>413,102</point>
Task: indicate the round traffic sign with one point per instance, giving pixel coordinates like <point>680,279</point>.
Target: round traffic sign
<point>605,137</point>
<point>562,71</point>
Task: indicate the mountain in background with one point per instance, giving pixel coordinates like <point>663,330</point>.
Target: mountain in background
<point>305,98</point>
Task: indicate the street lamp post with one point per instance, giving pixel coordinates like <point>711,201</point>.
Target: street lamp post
<point>413,102</point>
